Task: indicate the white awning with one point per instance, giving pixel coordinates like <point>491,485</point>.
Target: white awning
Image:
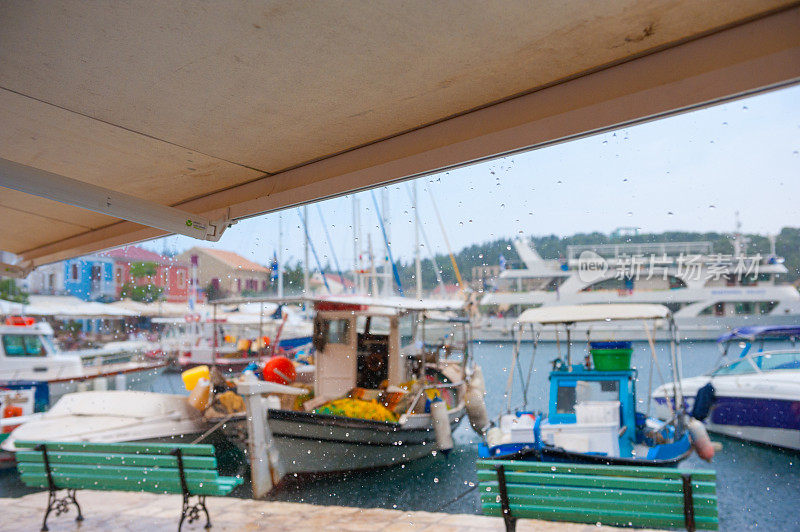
<point>64,307</point>
<point>581,313</point>
<point>226,109</point>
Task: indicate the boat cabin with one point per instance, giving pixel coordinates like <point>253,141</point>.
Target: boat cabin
<point>372,346</point>
<point>581,385</point>
<point>28,352</point>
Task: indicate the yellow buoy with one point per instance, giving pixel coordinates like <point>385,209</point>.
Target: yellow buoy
<point>191,376</point>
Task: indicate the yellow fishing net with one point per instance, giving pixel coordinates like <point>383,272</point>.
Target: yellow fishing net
<point>357,408</point>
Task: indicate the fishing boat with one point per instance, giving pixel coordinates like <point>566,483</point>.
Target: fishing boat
<point>755,397</point>
<point>592,415</point>
<point>383,393</point>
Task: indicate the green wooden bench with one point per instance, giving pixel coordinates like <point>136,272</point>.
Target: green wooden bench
<point>154,467</point>
<point>612,495</point>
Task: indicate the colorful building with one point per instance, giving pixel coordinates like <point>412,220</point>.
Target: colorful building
<point>166,275</point>
<point>90,278</point>
<point>227,272</point>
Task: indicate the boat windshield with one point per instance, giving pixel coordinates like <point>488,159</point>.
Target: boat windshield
<point>777,361</point>
<point>762,362</point>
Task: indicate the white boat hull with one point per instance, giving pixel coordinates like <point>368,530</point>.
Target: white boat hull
<point>313,443</point>
<point>758,407</point>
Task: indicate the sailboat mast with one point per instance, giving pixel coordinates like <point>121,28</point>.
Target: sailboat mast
<point>387,281</point>
<point>417,259</point>
<point>306,288</point>
<point>280,254</point>
<point>356,245</point>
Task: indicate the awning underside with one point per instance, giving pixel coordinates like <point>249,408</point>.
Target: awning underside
<point>241,109</point>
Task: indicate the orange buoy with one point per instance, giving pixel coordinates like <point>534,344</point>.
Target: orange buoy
<point>700,440</point>
<point>279,370</point>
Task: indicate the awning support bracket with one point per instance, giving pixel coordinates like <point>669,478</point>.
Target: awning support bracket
<point>70,191</point>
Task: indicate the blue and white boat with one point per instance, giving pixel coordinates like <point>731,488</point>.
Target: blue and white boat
<point>755,397</point>
<point>592,415</point>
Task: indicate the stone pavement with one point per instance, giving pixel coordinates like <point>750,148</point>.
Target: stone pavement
<point>125,511</point>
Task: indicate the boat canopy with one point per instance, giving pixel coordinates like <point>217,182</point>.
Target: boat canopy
<point>394,302</point>
<point>753,333</point>
<point>582,313</point>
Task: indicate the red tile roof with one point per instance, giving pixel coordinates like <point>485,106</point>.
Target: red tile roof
<point>234,260</point>
<point>137,254</point>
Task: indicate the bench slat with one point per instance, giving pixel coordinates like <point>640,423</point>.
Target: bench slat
<point>597,481</point>
<point>590,504</point>
<point>193,462</point>
<point>617,495</point>
<point>667,473</point>
<point>219,487</point>
<point>616,518</point>
<point>133,473</point>
<point>124,448</point>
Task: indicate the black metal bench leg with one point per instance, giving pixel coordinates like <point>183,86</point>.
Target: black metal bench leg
<point>510,520</point>
<point>60,505</point>
<point>190,512</point>
<point>688,503</point>
<point>55,503</point>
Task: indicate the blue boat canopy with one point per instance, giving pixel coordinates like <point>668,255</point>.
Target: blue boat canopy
<point>753,333</point>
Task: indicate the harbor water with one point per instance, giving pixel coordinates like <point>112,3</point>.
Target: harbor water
<point>757,485</point>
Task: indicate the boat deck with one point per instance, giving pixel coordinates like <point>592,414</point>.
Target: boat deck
<point>123,511</point>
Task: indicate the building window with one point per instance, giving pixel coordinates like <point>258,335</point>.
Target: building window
<point>181,276</point>
<point>74,272</point>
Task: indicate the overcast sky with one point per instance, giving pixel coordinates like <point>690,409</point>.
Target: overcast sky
<point>689,172</point>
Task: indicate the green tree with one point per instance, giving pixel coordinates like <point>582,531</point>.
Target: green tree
<point>11,292</point>
<point>144,293</point>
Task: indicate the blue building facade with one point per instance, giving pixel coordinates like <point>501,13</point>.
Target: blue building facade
<point>90,278</point>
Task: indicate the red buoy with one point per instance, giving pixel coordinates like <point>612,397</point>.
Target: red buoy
<point>279,370</point>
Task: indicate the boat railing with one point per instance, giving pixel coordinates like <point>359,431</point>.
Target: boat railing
<point>421,393</point>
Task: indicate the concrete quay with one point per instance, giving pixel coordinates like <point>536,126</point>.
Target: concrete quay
<point>126,511</point>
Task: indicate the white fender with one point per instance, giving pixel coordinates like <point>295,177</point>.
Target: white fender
<point>476,404</point>
<point>441,426</point>
<point>476,381</point>
<point>494,437</point>
<point>700,440</point>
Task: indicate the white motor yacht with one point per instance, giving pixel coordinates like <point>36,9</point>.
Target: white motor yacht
<point>708,293</point>
<point>755,397</point>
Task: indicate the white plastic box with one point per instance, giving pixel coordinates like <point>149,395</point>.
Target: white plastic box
<point>518,429</point>
<point>583,437</point>
<point>597,412</point>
